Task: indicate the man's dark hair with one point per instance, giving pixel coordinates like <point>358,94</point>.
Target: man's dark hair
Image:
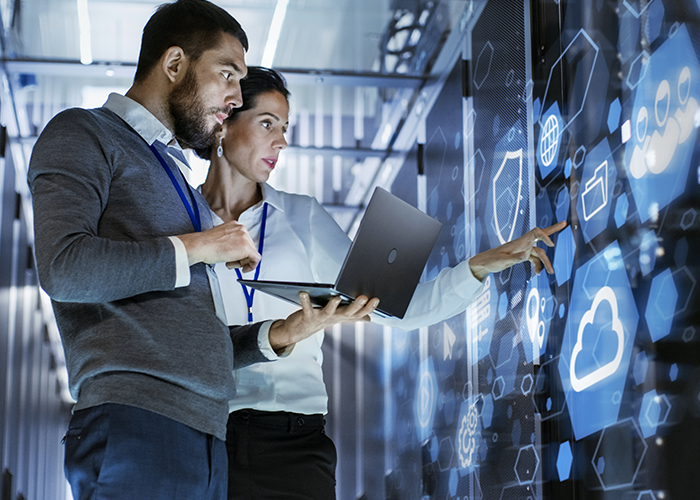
<point>258,81</point>
<point>193,25</point>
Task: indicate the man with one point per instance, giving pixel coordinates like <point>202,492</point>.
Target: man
<point>124,248</point>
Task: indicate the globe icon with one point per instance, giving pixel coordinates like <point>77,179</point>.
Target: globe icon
<point>549,140</point>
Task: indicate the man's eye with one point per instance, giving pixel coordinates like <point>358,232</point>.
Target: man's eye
<point>227,75</point>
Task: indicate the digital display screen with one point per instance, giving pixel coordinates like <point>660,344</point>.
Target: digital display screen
<point>584,383</point>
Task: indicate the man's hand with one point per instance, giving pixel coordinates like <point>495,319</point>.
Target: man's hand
<point>516,251</point>
<point>228,242</point>
<point>309,319</point>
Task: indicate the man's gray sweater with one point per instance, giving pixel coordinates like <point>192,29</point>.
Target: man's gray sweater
<point>103,209</point>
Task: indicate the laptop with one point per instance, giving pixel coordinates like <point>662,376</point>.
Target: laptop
<point>385,260</point>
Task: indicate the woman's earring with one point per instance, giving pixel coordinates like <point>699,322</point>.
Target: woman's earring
<point>220,149</point>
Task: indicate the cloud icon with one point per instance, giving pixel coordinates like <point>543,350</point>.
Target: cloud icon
<point>579,384</point>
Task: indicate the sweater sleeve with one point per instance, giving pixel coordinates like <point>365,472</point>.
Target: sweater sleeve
<point>70,176</point>
<point>246,348</point>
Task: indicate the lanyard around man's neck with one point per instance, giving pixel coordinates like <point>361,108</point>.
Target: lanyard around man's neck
<point>192,210</point>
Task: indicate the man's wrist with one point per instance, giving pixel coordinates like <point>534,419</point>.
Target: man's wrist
<point>278,337</point>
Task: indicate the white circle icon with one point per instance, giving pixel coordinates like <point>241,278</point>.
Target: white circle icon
<point>549,140</point>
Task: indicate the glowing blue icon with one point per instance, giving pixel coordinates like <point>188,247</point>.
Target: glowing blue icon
<point>550,136</point>
<point>482,316</point>
<point>600,372</point>
<point>468,435</point>
<point>658,155</point>
<point>426,399</point>
<point>597,343</point>
<point>507,203</point>
<point>596,192</point>
<point>538,311</point>
<point>599,176</point>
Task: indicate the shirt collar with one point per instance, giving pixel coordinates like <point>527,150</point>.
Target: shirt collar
<point>149,127</point>
<point>271,196</point>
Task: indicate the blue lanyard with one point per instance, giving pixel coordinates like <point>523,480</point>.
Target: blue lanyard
<point>193,212</point>
<point>250,294</point>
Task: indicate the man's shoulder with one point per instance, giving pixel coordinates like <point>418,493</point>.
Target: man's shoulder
<point>84,117</point>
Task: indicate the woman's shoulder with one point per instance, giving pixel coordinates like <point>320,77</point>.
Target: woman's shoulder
<point>289,201</point>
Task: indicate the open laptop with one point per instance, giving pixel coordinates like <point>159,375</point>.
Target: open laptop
<point>385,260</point>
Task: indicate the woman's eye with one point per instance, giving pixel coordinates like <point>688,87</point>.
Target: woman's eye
<point>227,76</point>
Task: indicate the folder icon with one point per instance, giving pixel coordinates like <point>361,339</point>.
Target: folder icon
<point>595,194</point>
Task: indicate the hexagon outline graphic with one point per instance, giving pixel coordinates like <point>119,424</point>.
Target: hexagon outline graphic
<point>649,495</point>
<point>641,459</point>
<point>478,61</point>
<point>633,10</point>
<point>534,471</point>
<point>502,385</point>
<point>688,334</point>
<point>590,77</point>
<point>684,269</point>
<point>693,214</point>
<point>553,362</point>
<point>644,58</point>
<point>522,384</point>
<point>659,317</point>
<point>663,420</point>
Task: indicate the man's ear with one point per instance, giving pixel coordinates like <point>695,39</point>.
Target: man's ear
<point>174,64</point>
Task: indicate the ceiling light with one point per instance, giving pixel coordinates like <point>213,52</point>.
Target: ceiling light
<point>274,34</point>
<point>84,26</point>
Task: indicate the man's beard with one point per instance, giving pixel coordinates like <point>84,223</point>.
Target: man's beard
<point>189,115</point>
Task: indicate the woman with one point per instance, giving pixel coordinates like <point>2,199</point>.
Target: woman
<point>276,443</point>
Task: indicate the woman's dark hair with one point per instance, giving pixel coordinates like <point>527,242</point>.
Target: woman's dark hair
<point>193,25</point>
<point>258,81</point>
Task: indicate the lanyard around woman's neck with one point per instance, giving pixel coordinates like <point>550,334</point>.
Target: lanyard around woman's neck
<point>250,294</point>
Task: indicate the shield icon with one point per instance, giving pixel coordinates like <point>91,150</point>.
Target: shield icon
<point>507,189</point>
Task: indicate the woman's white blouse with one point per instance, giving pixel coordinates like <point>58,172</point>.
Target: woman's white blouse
<point>303,243</point>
